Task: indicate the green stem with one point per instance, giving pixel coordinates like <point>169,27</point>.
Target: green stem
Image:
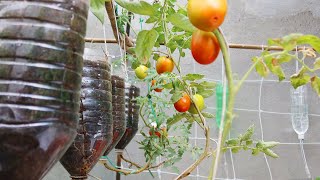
<point>253,66</point>
<point>229,111</point>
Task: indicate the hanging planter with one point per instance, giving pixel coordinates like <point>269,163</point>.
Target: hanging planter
<point>94,133</point>
<point>132,116</point>
<point>41,47</point>
<point>118,111</point>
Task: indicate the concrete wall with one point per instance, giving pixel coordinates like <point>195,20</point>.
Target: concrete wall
<point>248,22</point>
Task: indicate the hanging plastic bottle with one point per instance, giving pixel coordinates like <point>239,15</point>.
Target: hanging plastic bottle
<point>299,111</point>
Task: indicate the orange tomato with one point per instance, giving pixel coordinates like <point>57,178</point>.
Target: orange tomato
<point>183,105</point>
<point>153,82</point>
<point>164,64</point>
<point>207,15</point>
<point>205,47</point>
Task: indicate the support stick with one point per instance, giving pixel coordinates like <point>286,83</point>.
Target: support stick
<point>119,153</point>
<point>232,46</point>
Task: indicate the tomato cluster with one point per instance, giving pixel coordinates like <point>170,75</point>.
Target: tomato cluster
<point>206,15</point>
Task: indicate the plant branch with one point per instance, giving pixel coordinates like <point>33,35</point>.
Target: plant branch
<point>229,113</point>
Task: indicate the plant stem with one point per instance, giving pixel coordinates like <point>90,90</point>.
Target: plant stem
<point>229,113</point>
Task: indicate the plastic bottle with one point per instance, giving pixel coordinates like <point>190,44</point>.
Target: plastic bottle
<point>299,111</point>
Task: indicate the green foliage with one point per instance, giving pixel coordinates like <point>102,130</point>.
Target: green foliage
<point>245,142</point>
<point>145,42</point>
<point>98,9</point>
<point>137,7</point>
<point>272,61</point>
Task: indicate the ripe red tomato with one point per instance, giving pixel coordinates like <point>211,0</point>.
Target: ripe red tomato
<point>164,64</point>
<point>183,105</point>
<point>157,133</point>
<point>153,82</point>
<point>205,47</point>
<point>207,15</point>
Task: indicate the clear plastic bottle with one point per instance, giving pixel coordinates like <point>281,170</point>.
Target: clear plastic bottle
<point>299,111</point>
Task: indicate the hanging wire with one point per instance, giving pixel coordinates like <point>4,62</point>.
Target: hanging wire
<point>260,120</point>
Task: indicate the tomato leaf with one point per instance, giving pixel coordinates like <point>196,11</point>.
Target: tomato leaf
<point>300,78</point>
<point>270,153</point>
<point>315,83</point>
<point>181,21</point>
<point>270,144</point>
<point>98,9</point>
<point>177,95</point>
<point>317,64</point>
<point>193,77</point>
<point>175,119</point>
<point>208,85</point>
<point>261,67</point>
<point>248,134</point>
<point>207,115</point>
<point>312,40</point>
<point>275,68</point>
<point>140,7</point>
<point>206,93</point>
<point>145,43</point>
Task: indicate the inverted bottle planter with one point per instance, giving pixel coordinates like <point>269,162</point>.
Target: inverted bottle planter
<point>118,111</point>
<point>94,133</point>
<point>41,47</point>
<point>132,116</point>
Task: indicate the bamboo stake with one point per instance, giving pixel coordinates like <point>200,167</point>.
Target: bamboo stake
<point>231,45</point>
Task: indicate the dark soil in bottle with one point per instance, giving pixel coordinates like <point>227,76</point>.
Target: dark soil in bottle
<point>118,112</point>
<point>95,128</point>
<point>41,47</point>
<point>26,151</point>
<point>132,116</point>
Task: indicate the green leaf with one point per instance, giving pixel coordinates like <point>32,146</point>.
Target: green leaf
<point>181,21</point>
<point>208,85</point>
<point>270,144</point>
<point>275,68</point>
<point>236,149</point>
<point>145,43</point>
<point>288,42</point>
<point>248,133</point>
<point>232,142</point>
<point>175,119</point>
<point>193,77</point>
<point>249,142</point>
<point>261,67</point>
<point>300,78</point>
<point>255,152</point>
<point>98,9</point>
<point>312,40</point>
<point>270,153</point>
<point>137,7</point>
<point>206,93</point>
<point>176,96</point>
<point>317,64</point>
<point>315,83</point>
<point>283,58</point>
<point>207,115</point>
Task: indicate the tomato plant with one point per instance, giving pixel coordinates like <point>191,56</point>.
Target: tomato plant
<point>171,29</point>
<point>183,104</point>
<point>207,15</point>
<point>205,47</point>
